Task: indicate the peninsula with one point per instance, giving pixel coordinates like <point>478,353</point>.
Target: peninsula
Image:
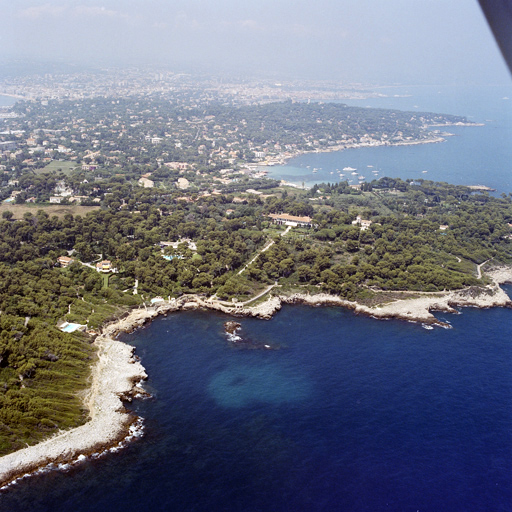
<point>118,209</point>
<point>116,376</point>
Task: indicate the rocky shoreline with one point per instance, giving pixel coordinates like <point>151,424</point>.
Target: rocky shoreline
<point>116,375</point>
<point>417,309</point>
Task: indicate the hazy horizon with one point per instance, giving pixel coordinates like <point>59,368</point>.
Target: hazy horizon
<point>397,41</point>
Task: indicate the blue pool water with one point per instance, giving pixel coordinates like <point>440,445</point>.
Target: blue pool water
<point>71,327</point>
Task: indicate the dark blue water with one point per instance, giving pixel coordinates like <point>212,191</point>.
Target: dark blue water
<point>473,156</point>
<point>348,413</point>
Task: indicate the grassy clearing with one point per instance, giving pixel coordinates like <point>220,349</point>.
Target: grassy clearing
<point>376,298</point>
<point>261,299</point>
<point>102,312</point>
<point>298,233</point>
<point>56,166</point>
<point>274,230</point>
<point>293,191</point>
<point>60,210</point>
<point>289,287</point>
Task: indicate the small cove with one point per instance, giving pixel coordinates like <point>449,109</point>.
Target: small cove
<point>351,413</point>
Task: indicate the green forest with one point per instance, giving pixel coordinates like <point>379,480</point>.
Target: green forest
<point>423,236</point>
<point>198,225</point>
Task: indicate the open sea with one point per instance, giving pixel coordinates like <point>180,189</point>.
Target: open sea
<point>345,413</point>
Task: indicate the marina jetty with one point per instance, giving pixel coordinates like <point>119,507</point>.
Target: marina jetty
<point>481,188</point>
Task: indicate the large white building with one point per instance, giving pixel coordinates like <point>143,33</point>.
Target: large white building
<point>290,220</point>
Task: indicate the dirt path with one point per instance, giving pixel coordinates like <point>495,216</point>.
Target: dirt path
<point>256,297</point>
<point>114,376</point>
<point>479,268</point>
<point>267,246</point>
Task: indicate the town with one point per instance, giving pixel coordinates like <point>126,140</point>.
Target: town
<point>184,136</point>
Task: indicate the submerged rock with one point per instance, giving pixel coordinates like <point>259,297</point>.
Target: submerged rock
<point>232,330</point>
<point>232,327</point>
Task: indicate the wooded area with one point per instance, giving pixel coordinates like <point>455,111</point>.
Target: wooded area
<point>196,236</point>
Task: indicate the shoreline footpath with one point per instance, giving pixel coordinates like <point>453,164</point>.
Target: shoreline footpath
<point>114,378</point>
<point>116,375</point>
<point>417,309</point>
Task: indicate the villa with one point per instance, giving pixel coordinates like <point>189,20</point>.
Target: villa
<point>364,224</point>
<point>191,245</point>
<point>104,266</point>
<point>65,261</point>
<point>290,220</point>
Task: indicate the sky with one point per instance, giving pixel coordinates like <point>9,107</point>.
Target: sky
<point>370,41</point>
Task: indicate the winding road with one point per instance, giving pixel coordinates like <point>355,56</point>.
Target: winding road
<point>266,247</point>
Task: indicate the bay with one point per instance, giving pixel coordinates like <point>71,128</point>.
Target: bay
<point>346,413</point>
<point>7,101</point>
<point>477,155</point>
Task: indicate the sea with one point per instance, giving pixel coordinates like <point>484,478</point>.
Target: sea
<point>6,101</point>
<point>320,409</point>
<point>471,155</point>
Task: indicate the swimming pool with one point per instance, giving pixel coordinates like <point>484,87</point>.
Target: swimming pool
<point>67,327</point>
